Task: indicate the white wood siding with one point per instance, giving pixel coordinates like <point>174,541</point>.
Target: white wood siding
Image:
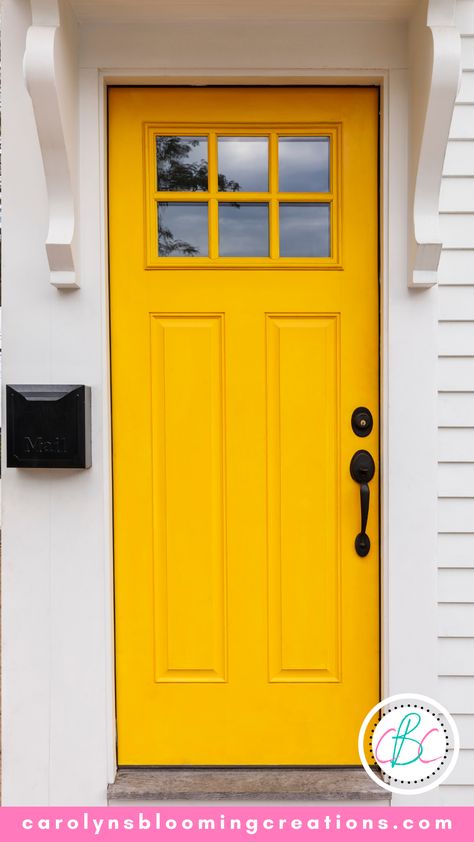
<point>456,267</point>
<point>456,425</point>
<point>455,549</point>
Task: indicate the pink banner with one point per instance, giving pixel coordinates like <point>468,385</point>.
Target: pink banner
<point>235,823</point>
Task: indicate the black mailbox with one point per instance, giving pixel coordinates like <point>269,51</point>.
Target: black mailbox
<point>48,427</point>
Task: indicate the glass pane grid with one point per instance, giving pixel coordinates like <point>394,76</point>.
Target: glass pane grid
<point>262,221</point>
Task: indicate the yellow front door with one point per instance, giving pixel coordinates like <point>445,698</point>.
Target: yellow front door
<point>244,333</point>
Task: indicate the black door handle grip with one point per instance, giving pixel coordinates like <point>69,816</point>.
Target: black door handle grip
<point>364,506</point>
<point>362,471</point>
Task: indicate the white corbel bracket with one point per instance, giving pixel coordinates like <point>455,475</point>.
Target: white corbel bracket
<point>49,69</point>
<point>436,66</point>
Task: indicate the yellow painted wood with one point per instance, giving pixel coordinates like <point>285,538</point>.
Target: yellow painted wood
<point>303,497</point>
<point>187,440</point>
<point>247,628</point>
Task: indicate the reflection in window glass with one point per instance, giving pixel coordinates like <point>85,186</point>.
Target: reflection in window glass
<point>243,229</point>
<point>243,164</point>
<point>182,229</point>
<point>303,164</point>
<point>181,163</point>
<point>304,230</point>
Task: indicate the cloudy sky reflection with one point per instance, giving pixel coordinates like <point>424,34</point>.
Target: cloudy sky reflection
<point>303,164</point>
<point>243,230</point>
<point>182,229</point>
<point>244,160</point>
<point>304,230</point>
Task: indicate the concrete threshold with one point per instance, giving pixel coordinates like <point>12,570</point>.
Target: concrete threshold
<point>319,784</point>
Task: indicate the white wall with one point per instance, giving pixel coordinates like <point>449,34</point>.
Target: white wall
<point>56,597</point>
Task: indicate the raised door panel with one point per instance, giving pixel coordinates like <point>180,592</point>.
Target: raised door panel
<point>188,498</point>
<point>303,495</point>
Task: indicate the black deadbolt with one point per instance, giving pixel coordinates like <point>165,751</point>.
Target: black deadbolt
<point>362,421</point>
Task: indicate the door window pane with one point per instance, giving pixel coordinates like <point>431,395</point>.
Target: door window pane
<point>304,230</point>
<point>243,229</point>
<point>303,164</point>
<point>243,164</point>
<point>182,229</point>
<point>181,163</point>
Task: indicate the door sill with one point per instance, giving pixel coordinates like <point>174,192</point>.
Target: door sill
<point>319,784</point>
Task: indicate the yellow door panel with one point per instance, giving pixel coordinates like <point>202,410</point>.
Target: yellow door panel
<point>187,435</point>
<point>303,498</point>
<point>244,332</point>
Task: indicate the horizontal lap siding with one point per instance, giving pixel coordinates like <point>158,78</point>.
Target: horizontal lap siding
<point>456,514</point>
<point>462,127</point>
<point>456,267</point>
<point>465,723</point>
<point>456,302</point>
<point>456,584</point>
<point>455,655</point>
<point>455,549</point>
<point>457,194</point>
<point>466,93</point>
<point>455,621</point>
<point>455,613</point>
<point>456,409</point>
<point>459,157</point>
<point>455,796</point>
<point>456,445</point>
<point>456,479</point>
<point>455,339</point>
<point>456,692</point>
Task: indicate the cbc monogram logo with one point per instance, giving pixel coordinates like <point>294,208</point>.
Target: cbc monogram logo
<point>408,743</point>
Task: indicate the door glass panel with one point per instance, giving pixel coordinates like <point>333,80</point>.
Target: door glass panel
<point>181,163</point>
<point>182,229</point>
<point>243,229</point>
<point>243,164</point>
<point>303,164</point>
<point>304,230</point>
